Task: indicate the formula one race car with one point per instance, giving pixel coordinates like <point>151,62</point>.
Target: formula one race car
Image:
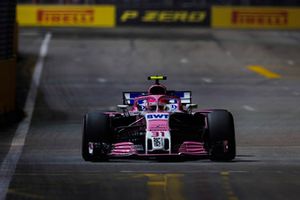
<point>158,123</point>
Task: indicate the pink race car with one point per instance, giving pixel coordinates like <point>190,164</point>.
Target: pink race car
<point>158,123</point>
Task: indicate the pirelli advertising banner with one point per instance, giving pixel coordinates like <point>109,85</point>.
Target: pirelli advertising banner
<point>166,17</point>
<point>66,16</point>
<point>255,17</point>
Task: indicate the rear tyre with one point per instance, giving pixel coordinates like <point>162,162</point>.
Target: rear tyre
<point>95,130</point>
<point>221,136</point>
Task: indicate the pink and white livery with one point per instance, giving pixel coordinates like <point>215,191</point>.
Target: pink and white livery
<point>156,123</point>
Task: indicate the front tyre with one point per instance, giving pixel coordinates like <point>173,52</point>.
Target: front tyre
<point>221,136</point>
<point>95,134</point>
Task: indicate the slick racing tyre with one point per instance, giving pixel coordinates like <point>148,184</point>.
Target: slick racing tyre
<point>95,133</point>
<point>221,135</point>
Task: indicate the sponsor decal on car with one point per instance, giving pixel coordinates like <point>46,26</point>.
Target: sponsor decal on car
<point>157,116</point>
<point>157,142</point>
<point>157,122</point>
<point>160,125</point>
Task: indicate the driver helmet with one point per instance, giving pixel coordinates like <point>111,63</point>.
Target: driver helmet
<point>162,105</point>
<point>152,104</point>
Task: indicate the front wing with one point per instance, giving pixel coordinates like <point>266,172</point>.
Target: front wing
<point>128,149</point>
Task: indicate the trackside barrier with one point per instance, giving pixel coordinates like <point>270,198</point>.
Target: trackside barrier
<point>7,85</point>
<point>66,16</point>
<point>255,17</point>
<point>237,17</point>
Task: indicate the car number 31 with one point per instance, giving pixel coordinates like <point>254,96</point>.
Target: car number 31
<point>158,134</point>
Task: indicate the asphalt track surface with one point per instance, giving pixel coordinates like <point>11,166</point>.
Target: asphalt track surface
<point>87,70</point>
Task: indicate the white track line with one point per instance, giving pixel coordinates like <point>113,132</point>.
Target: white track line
<point>101,80</point>
<point>228,53</point>
<point>184,60</point>
<point>9,163</point>
<point>290,62</point>
<point>248,108</point>
<point>207,80</point>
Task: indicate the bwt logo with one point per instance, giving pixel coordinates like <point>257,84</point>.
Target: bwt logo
<point>157,116</point>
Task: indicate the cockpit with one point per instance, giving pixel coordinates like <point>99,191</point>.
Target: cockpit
<point>161,104</point>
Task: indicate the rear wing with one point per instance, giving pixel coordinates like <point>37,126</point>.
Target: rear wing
<point>128,97</point>
<point>185,96</point>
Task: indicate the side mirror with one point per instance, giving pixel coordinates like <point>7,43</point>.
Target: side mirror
<point>190,107</point>
<point>124,109</point>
